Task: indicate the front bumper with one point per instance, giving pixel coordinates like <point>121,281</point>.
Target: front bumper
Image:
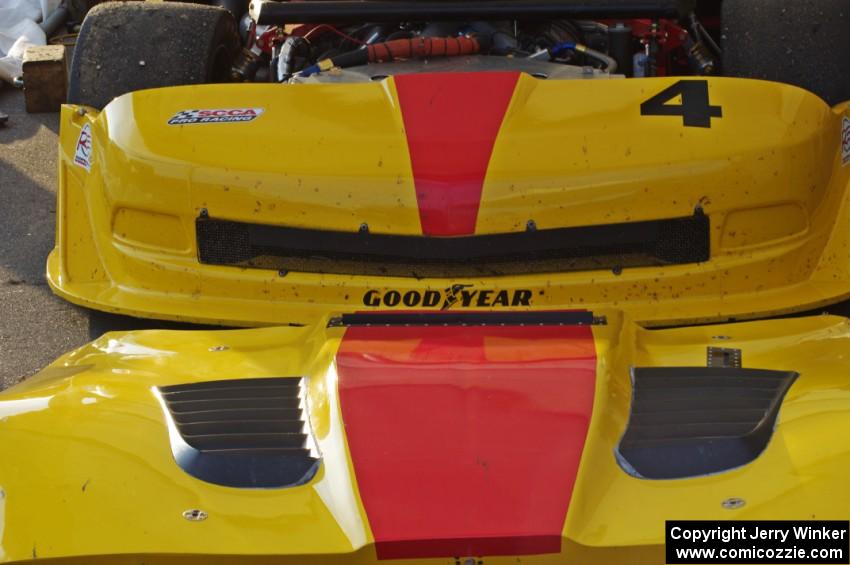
<point>768,176</point>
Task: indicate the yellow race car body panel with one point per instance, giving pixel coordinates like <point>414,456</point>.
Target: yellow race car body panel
<point>767,173</point>
<point>93,478</point>
<point>578,217</point>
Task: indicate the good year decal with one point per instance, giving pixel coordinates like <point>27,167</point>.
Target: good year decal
<point>460,295</point>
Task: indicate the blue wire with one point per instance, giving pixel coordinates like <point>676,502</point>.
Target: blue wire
<point>558,48</point>
<point>311,70</point>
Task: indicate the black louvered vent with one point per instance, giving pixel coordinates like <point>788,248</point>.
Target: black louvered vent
<point>691,421</point>
<point>249,433</point>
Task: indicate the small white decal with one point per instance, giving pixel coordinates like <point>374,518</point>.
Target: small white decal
<point>82,155</point>
<point>215,116</point>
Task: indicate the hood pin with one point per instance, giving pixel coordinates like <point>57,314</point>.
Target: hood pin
<point>195,515</point>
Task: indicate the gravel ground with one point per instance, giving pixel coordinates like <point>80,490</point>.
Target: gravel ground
<point>35,326</point>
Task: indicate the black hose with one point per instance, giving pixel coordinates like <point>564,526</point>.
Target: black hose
<point>700,34</point>
<point>235,7</point>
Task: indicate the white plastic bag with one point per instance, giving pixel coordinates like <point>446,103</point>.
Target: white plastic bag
<point>19,30</point>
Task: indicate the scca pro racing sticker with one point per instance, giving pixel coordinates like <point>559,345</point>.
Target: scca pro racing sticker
<point>845,141</point>
<point>460,295</point>
<point>82,154</point>
<point>215,116</point>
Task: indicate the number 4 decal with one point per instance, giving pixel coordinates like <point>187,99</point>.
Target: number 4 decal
<point>695,109</point>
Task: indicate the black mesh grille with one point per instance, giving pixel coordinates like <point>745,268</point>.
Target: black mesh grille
<point>534,318</point>
<point>223,243</point>
<point>698,420</point>
<point>245,432</point>
<point>635,244</point>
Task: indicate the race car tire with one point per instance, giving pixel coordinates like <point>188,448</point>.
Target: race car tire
<point>805,43</point>
<point>123,47</point>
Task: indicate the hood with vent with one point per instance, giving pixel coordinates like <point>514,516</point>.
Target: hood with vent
<point>422,437</point>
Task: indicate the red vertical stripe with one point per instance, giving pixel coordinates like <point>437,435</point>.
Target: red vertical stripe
<point>451,121</point>
<point>466,440</point>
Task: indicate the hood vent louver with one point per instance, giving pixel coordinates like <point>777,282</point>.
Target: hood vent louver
<point>694,421</point>
<point>245,433</point>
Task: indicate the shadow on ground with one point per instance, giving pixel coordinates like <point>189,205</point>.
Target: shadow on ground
<point>35,326</point>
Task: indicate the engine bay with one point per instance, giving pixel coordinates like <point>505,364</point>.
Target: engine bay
<point>389,41</point>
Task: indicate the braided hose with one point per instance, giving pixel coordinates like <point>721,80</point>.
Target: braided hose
<point>422,47</point>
